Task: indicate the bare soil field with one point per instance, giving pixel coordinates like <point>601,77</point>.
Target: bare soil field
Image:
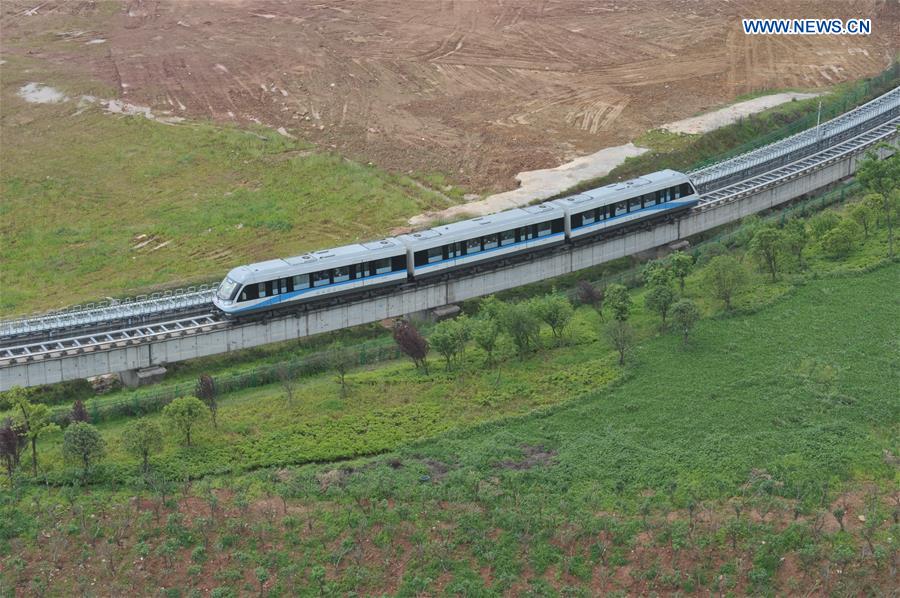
<point>477,89</point>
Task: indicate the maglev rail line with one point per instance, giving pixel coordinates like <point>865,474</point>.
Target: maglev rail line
<point>187,312</point>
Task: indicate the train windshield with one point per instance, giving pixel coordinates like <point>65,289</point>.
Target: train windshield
<point>227,290</point>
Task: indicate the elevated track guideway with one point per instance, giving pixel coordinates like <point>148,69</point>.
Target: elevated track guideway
<point>163,328</point>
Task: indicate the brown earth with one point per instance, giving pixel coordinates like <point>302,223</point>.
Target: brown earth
<point>477,89</point>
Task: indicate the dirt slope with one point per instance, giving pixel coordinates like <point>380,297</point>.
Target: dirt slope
<point>478,89</point>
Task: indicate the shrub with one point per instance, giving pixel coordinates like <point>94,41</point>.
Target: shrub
<point>724,276</point>
<point>83,444</point>
<point>838,242</point>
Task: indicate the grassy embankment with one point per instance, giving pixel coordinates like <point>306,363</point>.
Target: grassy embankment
<point>98,204</point>
<point>685,152</point>
<point>786,410</point>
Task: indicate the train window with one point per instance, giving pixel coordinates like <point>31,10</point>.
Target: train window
<point>473,246</point>
<point>634,204</point>
<point>588,217</point>
<point>341,274</point>
<point>398,263</point>
<point>249,293</point>
<point>282,282</point>
<point>674,193</point>
<point>381,266</point>
<point>261,287</point>
<point>275,288</point>
<point>452,250</point>
<point>686,189</point>
<point>320,279</point>
<point>526,233</point>
<point>543,229</point>
<point>491,241</point>
<point>507,237</point>
<point>620,208</point>
<point>647,200</point>
<point>435,254</point>
<point>301,281</point>
<point>602,213</point>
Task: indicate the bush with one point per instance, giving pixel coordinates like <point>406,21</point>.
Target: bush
<point>838,241</point>
<point>823,222</point>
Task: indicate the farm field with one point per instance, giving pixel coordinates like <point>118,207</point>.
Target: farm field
<point>760,458</point>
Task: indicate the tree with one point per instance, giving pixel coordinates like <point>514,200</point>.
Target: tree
<point>882,178</point>
<point>33,419</point>
<point>659,299</point>
<point>588,294</point>
<point>449,338</point>
<point>724,276</point>
<point>141,438</point>
<point>79,413</point>
<point>206,392</point>
<point>796,238</point>
<point>767,246</point>
<point>12,442</point>
<point>838,242</point>
<point>340,360</point>
<point>83,444</point>
<point>863,213</point>
<point>523,326</point>
<point>556,311</point>
<point>621,336</point>
<point>823,222</point>
<point>486,333</point>
<point>185,414</point>
<point>618,299</point>
<point>681,264</point>
<point>412,343</point>
<point>657,273</point>
<point>684,316</point>
<point>288,382</point>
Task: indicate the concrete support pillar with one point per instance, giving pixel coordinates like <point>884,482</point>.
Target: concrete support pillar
<point>142,377</point>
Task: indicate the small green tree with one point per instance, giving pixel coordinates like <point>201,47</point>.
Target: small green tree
<point>659,299</point>
<point>140,439</point>
<point>33,419</point>
<point>83,444</point>
<point>619,301</point>
<point>185,414</point>
<point>681,264</point>
<point>448,338</point>
<point>882,179</point>
<point>657,273</point>
<point>340,360</point>
<point>486,333</point>
<point>523,326</point>
<point>556,311</point>
<point>724,276</point>
<point>863,214</point>
<point>766,247</point>
<point>684,316</point>
<point>621,336</point>
<point>838,242</point>
<point>796,238</point>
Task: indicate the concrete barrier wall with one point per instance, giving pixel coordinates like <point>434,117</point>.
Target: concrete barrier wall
<point>234,338</point>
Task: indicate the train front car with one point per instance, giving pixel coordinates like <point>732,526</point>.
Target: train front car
<point>654,196</point>
<point>485,239</point>
<point>288,282</point>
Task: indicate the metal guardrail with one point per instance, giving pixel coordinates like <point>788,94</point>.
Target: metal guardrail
<point>882,109</point>
<point>776,176</point>
<point>105,340</point>
<point>132,308</point>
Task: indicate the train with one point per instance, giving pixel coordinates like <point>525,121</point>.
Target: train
<point>454,248</point>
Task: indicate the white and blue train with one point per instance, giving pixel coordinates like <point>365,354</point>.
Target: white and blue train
<point>358,268</point>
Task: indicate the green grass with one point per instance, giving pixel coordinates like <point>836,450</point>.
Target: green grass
<point>80,189</point>
<point>576,498</point>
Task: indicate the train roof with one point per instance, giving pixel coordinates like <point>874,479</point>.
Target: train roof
<point>318,260</point>
<point>622,190</point>
<point>483,225</point>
